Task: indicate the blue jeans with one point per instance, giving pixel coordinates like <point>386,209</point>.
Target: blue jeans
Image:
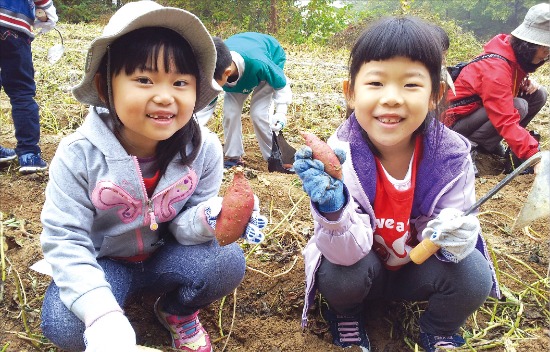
<point>17,79</point>
<point>453,291</point>
<point>189,277</point>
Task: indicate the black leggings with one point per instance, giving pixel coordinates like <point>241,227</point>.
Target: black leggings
<point>453,290</point>
<point>478,129</point>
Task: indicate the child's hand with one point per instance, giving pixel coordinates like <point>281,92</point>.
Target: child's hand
<point>323,189</point>
<point>253,233</point>
<point>44,27</point>
<point>454,233</point>
<point>110,333</point>
<point>49,23</point>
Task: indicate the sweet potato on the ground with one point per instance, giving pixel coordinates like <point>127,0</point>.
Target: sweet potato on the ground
<point>324,153</point>
<point>237,206</point>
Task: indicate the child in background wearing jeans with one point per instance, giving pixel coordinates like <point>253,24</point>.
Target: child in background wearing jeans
<point>17,18</point>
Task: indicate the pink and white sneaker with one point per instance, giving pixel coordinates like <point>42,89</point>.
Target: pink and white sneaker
<point>187,331</point>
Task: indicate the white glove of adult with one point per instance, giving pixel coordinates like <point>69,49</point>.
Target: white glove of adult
<point>48,25</point>
<point>530,86</point>
<point>110,333</point>
<point>253,233</point>
<point>455,233</point>
<point>278,122</point>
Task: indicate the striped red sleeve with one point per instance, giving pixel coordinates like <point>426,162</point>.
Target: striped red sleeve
<point>42,3</point>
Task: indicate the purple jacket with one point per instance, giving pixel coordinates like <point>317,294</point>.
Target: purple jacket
<point>350,238</point>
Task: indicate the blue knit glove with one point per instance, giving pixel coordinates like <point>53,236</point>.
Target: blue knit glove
<point>323,189</point>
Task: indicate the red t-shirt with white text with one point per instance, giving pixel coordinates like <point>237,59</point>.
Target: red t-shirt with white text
<point>392,208</point>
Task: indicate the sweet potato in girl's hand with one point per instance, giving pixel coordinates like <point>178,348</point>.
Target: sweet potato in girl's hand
<point>237,207</point>
<point>324,153</point>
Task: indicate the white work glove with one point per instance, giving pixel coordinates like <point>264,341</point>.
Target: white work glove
<point>48,25</point>
<point>278,122</point>
<point>253,233</point>
<point>530,86</point>
<point>455,233</point>
<point>110,333</point>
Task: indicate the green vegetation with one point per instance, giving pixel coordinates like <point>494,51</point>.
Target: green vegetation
<point>317,20</point>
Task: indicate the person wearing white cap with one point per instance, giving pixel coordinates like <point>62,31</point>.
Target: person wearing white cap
<point>496,98</point>
<point>132,200</point>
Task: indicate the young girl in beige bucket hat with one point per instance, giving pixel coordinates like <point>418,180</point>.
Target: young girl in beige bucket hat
<point>132,200</point>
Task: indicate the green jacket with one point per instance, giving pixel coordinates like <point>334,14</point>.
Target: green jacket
<point>264,60</point>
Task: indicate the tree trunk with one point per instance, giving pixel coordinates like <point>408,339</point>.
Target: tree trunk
<point>273,17</point>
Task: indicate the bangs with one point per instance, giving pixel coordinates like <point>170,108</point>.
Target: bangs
<point>394,37</point>
<point>142,48</point>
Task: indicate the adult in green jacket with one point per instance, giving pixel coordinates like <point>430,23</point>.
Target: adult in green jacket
<point>257,68</point>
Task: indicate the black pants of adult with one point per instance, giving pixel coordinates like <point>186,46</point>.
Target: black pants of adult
<point>478,128</point>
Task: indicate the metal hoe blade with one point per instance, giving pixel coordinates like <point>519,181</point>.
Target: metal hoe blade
<point>56,51</point>
<point>531,161</point>
<point>426,248</point>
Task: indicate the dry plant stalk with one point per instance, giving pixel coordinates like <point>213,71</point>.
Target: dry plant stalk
<point>22,300</point>
<point>2,257</point>
<point>232,320</point>
<point>222,303</point>
<point>276,275</point>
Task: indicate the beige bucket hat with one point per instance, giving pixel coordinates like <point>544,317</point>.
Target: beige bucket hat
<point>536,26</point>
<point>139,14</point>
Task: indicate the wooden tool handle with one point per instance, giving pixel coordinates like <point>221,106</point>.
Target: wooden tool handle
<point>423,251</point>
<point>426,248</point>
<point>41,15</point>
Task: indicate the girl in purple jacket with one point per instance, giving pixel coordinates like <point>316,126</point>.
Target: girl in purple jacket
<point>406,177</point>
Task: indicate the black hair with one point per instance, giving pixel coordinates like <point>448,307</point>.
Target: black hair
<point>223,57</point>
<point>525,52</point>
<point>392,37</point>
<point>138,50</point>
<point>442,36</point>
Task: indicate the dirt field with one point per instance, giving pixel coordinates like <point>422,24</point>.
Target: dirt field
<point>264,313</point>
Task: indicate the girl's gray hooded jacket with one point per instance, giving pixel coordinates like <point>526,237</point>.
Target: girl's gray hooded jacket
<point>96,206</point>
<point>445,179</point>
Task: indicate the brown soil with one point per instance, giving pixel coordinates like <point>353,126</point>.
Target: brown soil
<point>264,313</point>
<point>268,303</point>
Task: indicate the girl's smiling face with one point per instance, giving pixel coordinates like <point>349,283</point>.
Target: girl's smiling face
<point>391,99</point>
<point>152,105</point>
